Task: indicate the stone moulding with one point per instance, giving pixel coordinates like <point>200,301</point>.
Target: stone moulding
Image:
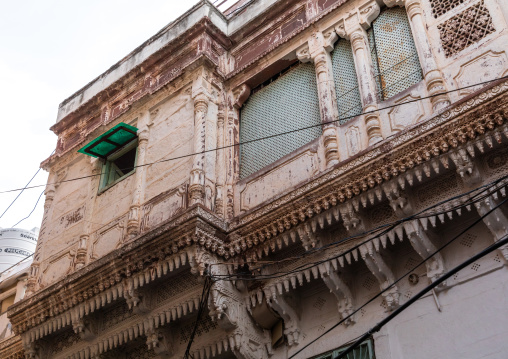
<point>11,348</point>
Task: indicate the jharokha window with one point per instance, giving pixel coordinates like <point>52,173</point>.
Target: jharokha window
<point>393,52</point>
<point>346,82</point>
<point>117,149</point>
<point>279,108</point>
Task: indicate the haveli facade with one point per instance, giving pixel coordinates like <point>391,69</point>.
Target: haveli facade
<point>388,114</point>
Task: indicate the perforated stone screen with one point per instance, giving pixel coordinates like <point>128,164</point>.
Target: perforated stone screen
<point>394,53</point>
<point>440,7</point>
<point>466,28</point>
<point>346,81</point>
<point>287,104</point>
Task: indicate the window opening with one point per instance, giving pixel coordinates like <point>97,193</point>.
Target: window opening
<point>284,104</point>
<point>346,81</point>
<point>119,165</point>
<point>393,52</point>
<point>363,351</point>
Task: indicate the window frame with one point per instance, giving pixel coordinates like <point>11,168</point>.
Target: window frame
<point>369,343</point>
<point>106,166</point>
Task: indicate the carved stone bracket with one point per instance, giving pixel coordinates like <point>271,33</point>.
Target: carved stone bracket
<point>418,238</point>
<point>241,94</point>
<point>341,292</point>
<point>160,341</point>
<point>496,222</point>
<point>228,307</point>
<point>384,275</point>
<point>288,314</point>
<point>424,247</point>
<point>85,328</point>
<point>466,167</point>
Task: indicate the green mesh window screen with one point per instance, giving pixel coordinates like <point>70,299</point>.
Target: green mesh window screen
<point>288,103</point>
<point>394,56</point>
<point>363,351</point>
<point>346,81</point>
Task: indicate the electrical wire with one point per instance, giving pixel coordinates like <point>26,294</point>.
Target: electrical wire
<point>480,219</point>
<point>32,211</point>
<point>264,138</point>
<point>472,200</point>
<point>202,307</point>
<point>19,194</point>
<point>503,241</point>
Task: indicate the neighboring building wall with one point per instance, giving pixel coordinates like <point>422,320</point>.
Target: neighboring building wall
<point>116,270</point>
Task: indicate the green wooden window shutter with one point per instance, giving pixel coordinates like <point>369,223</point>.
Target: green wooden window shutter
<point>288,103</point>
<point>346,81</point>
<point>394,54</point>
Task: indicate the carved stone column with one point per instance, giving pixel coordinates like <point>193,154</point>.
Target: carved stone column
<point>236,99</point>
<point>317,51</point>
<point>197,180</point>
<point>365,73</point>
<point>431,73</point>
<point>34,268</point>
<point>221,170</point>
<point>139,186</point>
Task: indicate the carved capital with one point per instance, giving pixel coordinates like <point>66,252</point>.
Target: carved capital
<point>143,136</point>
<point>358,38</point>
<point>413,7</point>
<point>241,94</point>
<point>392,3</point>
<point>303,53</point>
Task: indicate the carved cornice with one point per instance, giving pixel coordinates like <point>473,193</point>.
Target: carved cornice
<point>12,348</point>
<point>163,249</point>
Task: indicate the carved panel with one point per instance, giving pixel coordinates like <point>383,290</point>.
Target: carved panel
<point>181,286</point>
<point>205,325</point>
<point>497,162</point>
<point>354,142</point>
<point>63,341</point>
<point>113,315</point>
<point>442,187</point>
<point>57,267</point>
<point>108,238</point>
<point>163,207</point>
<point>490,65</point>
<point>466,28</point>
<point>286,175</point>
<point>404,115</point>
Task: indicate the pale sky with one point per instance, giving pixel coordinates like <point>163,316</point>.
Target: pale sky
<point>49,50</point>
